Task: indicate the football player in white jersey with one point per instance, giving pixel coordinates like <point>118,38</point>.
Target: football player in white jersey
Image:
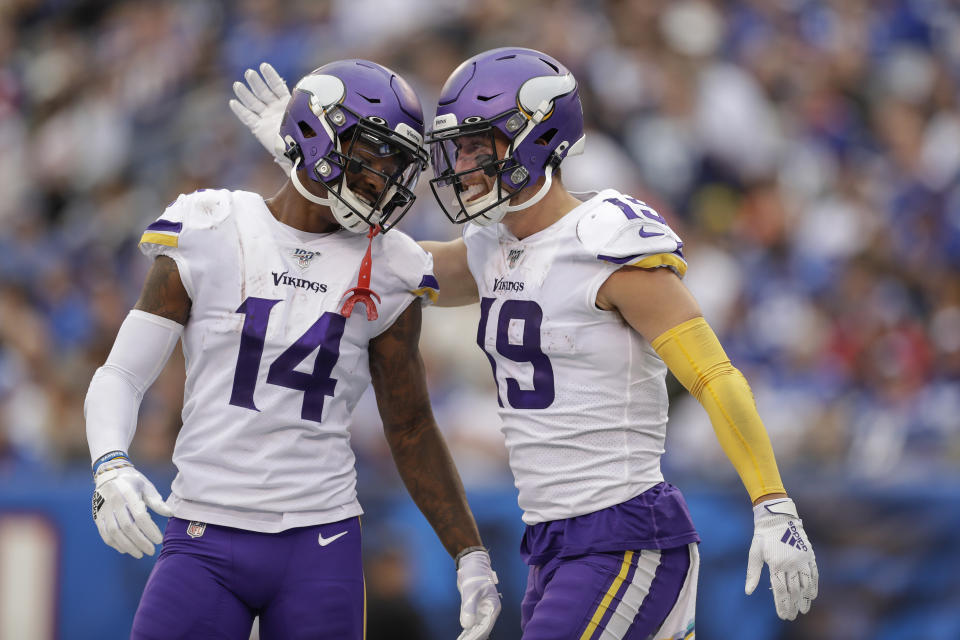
<point>287,308</point>
<point>582,310</point>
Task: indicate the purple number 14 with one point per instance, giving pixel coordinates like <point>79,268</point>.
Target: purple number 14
<point>323,336</point>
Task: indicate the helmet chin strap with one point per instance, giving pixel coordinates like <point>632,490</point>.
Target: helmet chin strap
<point>497,213</point>
<point>315,199</point>
<point>538,196</point>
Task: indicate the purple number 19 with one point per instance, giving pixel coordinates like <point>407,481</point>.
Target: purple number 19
<point>325,333</point>
<point>529,350</point>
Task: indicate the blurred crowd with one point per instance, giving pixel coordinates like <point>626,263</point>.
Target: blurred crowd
<point>807,151</point>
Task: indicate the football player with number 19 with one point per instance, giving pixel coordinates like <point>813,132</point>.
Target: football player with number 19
<point>287,309</point>
<point>582,310</point>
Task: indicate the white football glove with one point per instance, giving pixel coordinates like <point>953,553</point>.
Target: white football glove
<point>120,502</point>
<point>479,600</point>
<point>779,540</point>
<point>260,108</point>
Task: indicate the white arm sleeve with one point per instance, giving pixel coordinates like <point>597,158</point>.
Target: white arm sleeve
<point>139,353</point>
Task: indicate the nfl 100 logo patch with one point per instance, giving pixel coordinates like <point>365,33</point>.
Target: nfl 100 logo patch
<point>304,256</point>
<point>513,257</point>
<point>195,529</point>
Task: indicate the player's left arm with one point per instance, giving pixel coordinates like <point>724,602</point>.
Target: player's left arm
<point>658,306</point>
<point>427,469</point>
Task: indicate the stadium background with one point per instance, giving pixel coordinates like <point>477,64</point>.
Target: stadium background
<point>808,152</point>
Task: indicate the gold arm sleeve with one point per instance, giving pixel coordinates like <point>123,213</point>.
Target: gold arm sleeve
<point>695,357</point>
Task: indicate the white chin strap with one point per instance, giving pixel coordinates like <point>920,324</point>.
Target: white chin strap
<point>315,199</point>
<point>341,212</point>
<point>496,214</point>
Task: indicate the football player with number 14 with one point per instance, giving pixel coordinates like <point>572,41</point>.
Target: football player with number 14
<point>288,308</point>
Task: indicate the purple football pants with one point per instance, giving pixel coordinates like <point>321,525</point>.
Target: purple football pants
<point>212,585</point>
<point>618,595</point>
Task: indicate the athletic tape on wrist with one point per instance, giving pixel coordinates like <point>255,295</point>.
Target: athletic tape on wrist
<point>107,457</point>
<point>467,551</point>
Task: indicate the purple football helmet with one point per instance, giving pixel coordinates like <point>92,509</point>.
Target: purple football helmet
<point>359,121</point>
<point>528,97</point>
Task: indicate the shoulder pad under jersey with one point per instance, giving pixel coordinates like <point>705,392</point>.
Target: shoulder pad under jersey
<point>190,212</point>
<point>625,231</point>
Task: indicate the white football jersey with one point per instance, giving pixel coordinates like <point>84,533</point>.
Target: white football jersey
<point>273,369</point>
<point>582,395</point>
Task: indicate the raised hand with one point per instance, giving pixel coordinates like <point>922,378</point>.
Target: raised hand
<point>260,108</point>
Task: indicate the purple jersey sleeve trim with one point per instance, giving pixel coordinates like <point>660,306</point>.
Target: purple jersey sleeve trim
<point>165,225</point>
<point>619,260</point>
<point>429,281</point>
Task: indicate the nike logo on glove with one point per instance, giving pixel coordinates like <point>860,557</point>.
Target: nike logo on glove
<point>325,541</point>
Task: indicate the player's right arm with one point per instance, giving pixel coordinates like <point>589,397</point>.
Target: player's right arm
<point>457,286</point>
<point>142,348</point>
<point>163,293</point>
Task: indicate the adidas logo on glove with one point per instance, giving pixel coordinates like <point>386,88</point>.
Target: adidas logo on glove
<point>792,537</point>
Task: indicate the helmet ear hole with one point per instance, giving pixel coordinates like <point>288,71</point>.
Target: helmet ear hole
<point>545,139</point>
<point>306,130</point>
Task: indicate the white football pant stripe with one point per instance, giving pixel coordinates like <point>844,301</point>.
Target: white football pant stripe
<point>633,596</point>
<point>679,624</point>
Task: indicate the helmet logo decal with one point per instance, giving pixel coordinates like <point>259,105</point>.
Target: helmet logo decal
<point>544,89</point>
<point>324,91</point>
